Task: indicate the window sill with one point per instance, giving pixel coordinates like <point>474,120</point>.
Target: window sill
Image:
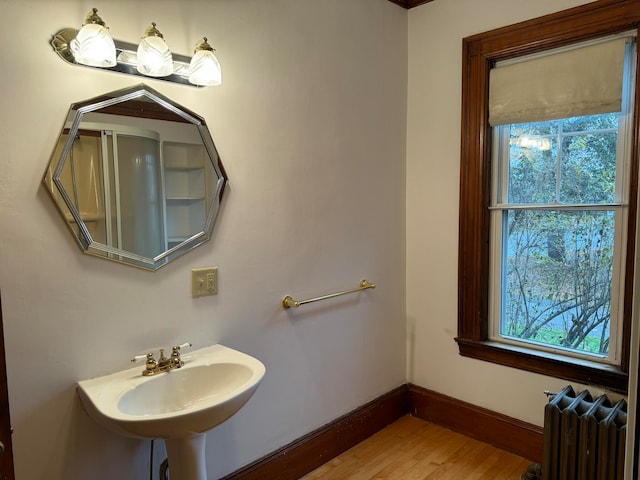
<point>577,370</point>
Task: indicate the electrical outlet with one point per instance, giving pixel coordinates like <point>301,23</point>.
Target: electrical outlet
<point>204,281</point>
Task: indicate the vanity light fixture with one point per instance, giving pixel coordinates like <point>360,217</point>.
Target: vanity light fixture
<point>93,46</point>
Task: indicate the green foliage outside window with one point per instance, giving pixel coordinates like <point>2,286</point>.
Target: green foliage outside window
<point>558,246</point>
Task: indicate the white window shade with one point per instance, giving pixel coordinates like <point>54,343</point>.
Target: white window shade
<point>572,83</point>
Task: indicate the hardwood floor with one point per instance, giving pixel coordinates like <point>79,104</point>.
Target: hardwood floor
<point>412,449</point>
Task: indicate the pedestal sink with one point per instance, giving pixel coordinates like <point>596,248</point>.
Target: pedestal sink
<point>178,406</point>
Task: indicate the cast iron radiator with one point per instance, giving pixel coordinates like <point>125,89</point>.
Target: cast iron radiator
<point>584,439</point>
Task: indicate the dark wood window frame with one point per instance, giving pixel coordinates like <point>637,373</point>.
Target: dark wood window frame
<point>480,53</point>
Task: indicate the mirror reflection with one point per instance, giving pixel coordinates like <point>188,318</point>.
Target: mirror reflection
<point>136,177</point>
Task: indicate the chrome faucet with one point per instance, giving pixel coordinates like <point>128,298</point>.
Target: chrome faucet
<point>162,364</point>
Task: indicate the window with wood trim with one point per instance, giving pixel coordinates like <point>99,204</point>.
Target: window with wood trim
<point>509,196</point>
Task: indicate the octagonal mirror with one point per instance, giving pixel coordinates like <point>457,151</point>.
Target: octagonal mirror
<point>136,177</point>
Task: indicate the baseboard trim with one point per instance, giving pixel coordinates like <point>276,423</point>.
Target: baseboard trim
<point>499,430</point>
<point>318,447</point>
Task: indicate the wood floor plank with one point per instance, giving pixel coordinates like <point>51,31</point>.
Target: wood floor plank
<point>413,449</point>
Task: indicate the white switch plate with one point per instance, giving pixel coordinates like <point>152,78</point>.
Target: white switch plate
<point>204,281</point>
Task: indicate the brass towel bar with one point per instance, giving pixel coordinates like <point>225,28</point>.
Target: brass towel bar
<point>288,302</point>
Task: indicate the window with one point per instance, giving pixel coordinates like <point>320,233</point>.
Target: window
<point>558,236</point>
<point>548,198</point>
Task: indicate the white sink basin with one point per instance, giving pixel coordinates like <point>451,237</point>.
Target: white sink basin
<point>182,404</point>
<point>187,389</point>
<point>214,383</point>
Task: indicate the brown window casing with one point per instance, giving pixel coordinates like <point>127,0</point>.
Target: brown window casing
<point>480,53</point>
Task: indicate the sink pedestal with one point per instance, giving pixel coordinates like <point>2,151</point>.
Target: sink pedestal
<point>187,458</point>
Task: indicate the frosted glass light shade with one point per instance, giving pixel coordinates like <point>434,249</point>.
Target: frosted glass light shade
<point>94,46</point>
<point>205,69</point>
<point>154,57</point>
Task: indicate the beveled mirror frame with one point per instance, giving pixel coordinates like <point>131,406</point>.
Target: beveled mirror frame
<point>157,107</point>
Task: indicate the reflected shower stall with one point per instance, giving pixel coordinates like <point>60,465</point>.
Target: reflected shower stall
<point>115,180</point>
<point>136,198</point>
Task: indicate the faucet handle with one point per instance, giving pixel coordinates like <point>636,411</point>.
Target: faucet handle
<point>175,354</point>
<point>151,362</point>
<point>137,358</point>
<point>175,357</point>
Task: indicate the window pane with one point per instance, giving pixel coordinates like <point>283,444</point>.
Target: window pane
<point>590,123</point>
<point>533,164</point>
<point>557,271</point>
<point>588,168</point>
<point>582,172</point>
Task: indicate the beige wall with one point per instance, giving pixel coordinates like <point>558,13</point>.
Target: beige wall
<point>310,125</point>
<point>436,31</point>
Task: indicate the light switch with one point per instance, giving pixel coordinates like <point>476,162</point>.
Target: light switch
<point>204,281</point>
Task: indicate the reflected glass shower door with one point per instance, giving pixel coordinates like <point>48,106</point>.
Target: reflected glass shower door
<point>138,203</point>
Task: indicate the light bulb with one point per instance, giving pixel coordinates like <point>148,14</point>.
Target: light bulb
<point>154,57</point>
<point>93,44</point>
<point>204,68</point>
